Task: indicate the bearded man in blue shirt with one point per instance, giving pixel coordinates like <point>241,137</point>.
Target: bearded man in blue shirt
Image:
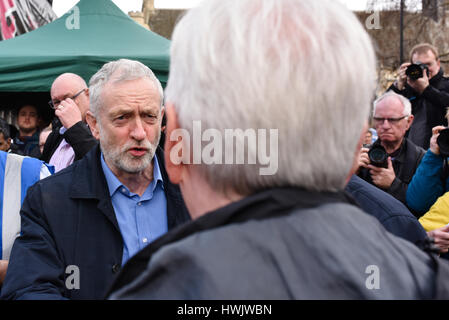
<point>80,228</point>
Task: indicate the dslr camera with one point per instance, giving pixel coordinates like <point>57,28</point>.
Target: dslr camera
<point>443,142</point>
<point>378,156</point>
<point>416,70</point>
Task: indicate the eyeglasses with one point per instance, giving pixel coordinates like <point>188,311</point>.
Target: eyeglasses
<point>54,104</point>
<point>390,120</point>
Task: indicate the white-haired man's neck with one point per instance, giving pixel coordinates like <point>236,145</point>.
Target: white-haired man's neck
<point>200,197</point>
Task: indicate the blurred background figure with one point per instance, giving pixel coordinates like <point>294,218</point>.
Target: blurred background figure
<point>26,143</point>
<point>5,137</point>
<point>43,138</point>
<point>368,139</point>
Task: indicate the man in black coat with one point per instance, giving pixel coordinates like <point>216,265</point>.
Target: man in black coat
<point>428,94</point>
<point>83,224</point>
<point>392,118</point>
<point>70,138</point>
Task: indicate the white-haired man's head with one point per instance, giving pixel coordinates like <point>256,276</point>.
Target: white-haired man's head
<point>392,117</point>
<point>407,106</point>
<point>306,68</point>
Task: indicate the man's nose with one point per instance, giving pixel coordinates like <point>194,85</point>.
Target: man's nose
<point>386,124</point>
<point>138,131</point>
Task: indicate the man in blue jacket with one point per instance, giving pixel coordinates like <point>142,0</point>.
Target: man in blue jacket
<point>83,224</point>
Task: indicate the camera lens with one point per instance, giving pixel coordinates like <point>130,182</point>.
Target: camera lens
<point>378,156</point>
<point>414,72</point>
<point>443,142</point>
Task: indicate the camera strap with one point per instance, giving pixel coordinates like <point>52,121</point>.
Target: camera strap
<point>445,173</point>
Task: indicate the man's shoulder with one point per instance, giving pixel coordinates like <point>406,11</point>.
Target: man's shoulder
<point>375,201</point>
<point>442,83</point>
<point>77,170</point>
<point>301,243</point>
<point>414,148</point>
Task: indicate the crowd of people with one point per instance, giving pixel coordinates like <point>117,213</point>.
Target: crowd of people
<point>95,206</point>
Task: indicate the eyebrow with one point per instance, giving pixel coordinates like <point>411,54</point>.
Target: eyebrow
<point>61,99</point>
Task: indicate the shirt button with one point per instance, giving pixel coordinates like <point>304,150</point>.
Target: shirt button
<point>115,268</point>
<point>144,240</point>
<point>139,204</point>
<point>123,190</point>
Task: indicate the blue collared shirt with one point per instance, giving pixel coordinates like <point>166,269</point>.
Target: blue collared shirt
<point>141,219</point>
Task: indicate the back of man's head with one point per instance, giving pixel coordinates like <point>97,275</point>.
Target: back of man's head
<point>305,68</point>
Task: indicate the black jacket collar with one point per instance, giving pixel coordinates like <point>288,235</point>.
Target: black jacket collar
<point>263,205</point>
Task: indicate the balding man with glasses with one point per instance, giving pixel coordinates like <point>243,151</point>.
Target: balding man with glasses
<point>70,138</point>
<point>392,117</point>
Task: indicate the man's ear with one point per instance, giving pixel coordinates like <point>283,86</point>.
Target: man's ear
<point>93,124</point>
<point>174,167</point>
<point>410,121</point>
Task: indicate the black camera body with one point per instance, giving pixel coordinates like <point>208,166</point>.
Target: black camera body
<point>443,142</point>
<point>416,70</point>
<point>378,156</point>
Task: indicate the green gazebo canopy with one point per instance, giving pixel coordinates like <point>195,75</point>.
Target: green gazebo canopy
<point>92,33</point>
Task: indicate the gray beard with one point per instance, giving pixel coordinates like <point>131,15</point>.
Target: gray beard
<point>121,159</point>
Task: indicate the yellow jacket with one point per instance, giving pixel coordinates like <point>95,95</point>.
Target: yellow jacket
<point>438,215</point>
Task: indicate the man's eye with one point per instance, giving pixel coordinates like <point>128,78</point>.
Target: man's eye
<point>150,116</point>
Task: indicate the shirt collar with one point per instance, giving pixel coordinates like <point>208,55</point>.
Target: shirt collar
<point>114,183</point>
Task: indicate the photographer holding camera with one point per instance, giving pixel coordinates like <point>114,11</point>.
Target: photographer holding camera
<point>431,180</point>
<point>393,159</point>
<point>422,82</point>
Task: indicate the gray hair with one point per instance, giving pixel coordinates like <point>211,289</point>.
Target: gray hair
<point>407,111</point>
<point>290,65</point>
<point>119,71</point>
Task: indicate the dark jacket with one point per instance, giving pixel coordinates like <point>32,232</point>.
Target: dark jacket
<point>29,147</point>
<point>282,243</point>
<point>390,212</point>
<point>404,165</point>
<point>432,102</point>
<point>78,137</point>
<point>68,220</point>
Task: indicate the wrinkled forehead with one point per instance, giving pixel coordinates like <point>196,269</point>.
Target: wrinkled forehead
<point>390,104</point>
<point>131,90</point>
